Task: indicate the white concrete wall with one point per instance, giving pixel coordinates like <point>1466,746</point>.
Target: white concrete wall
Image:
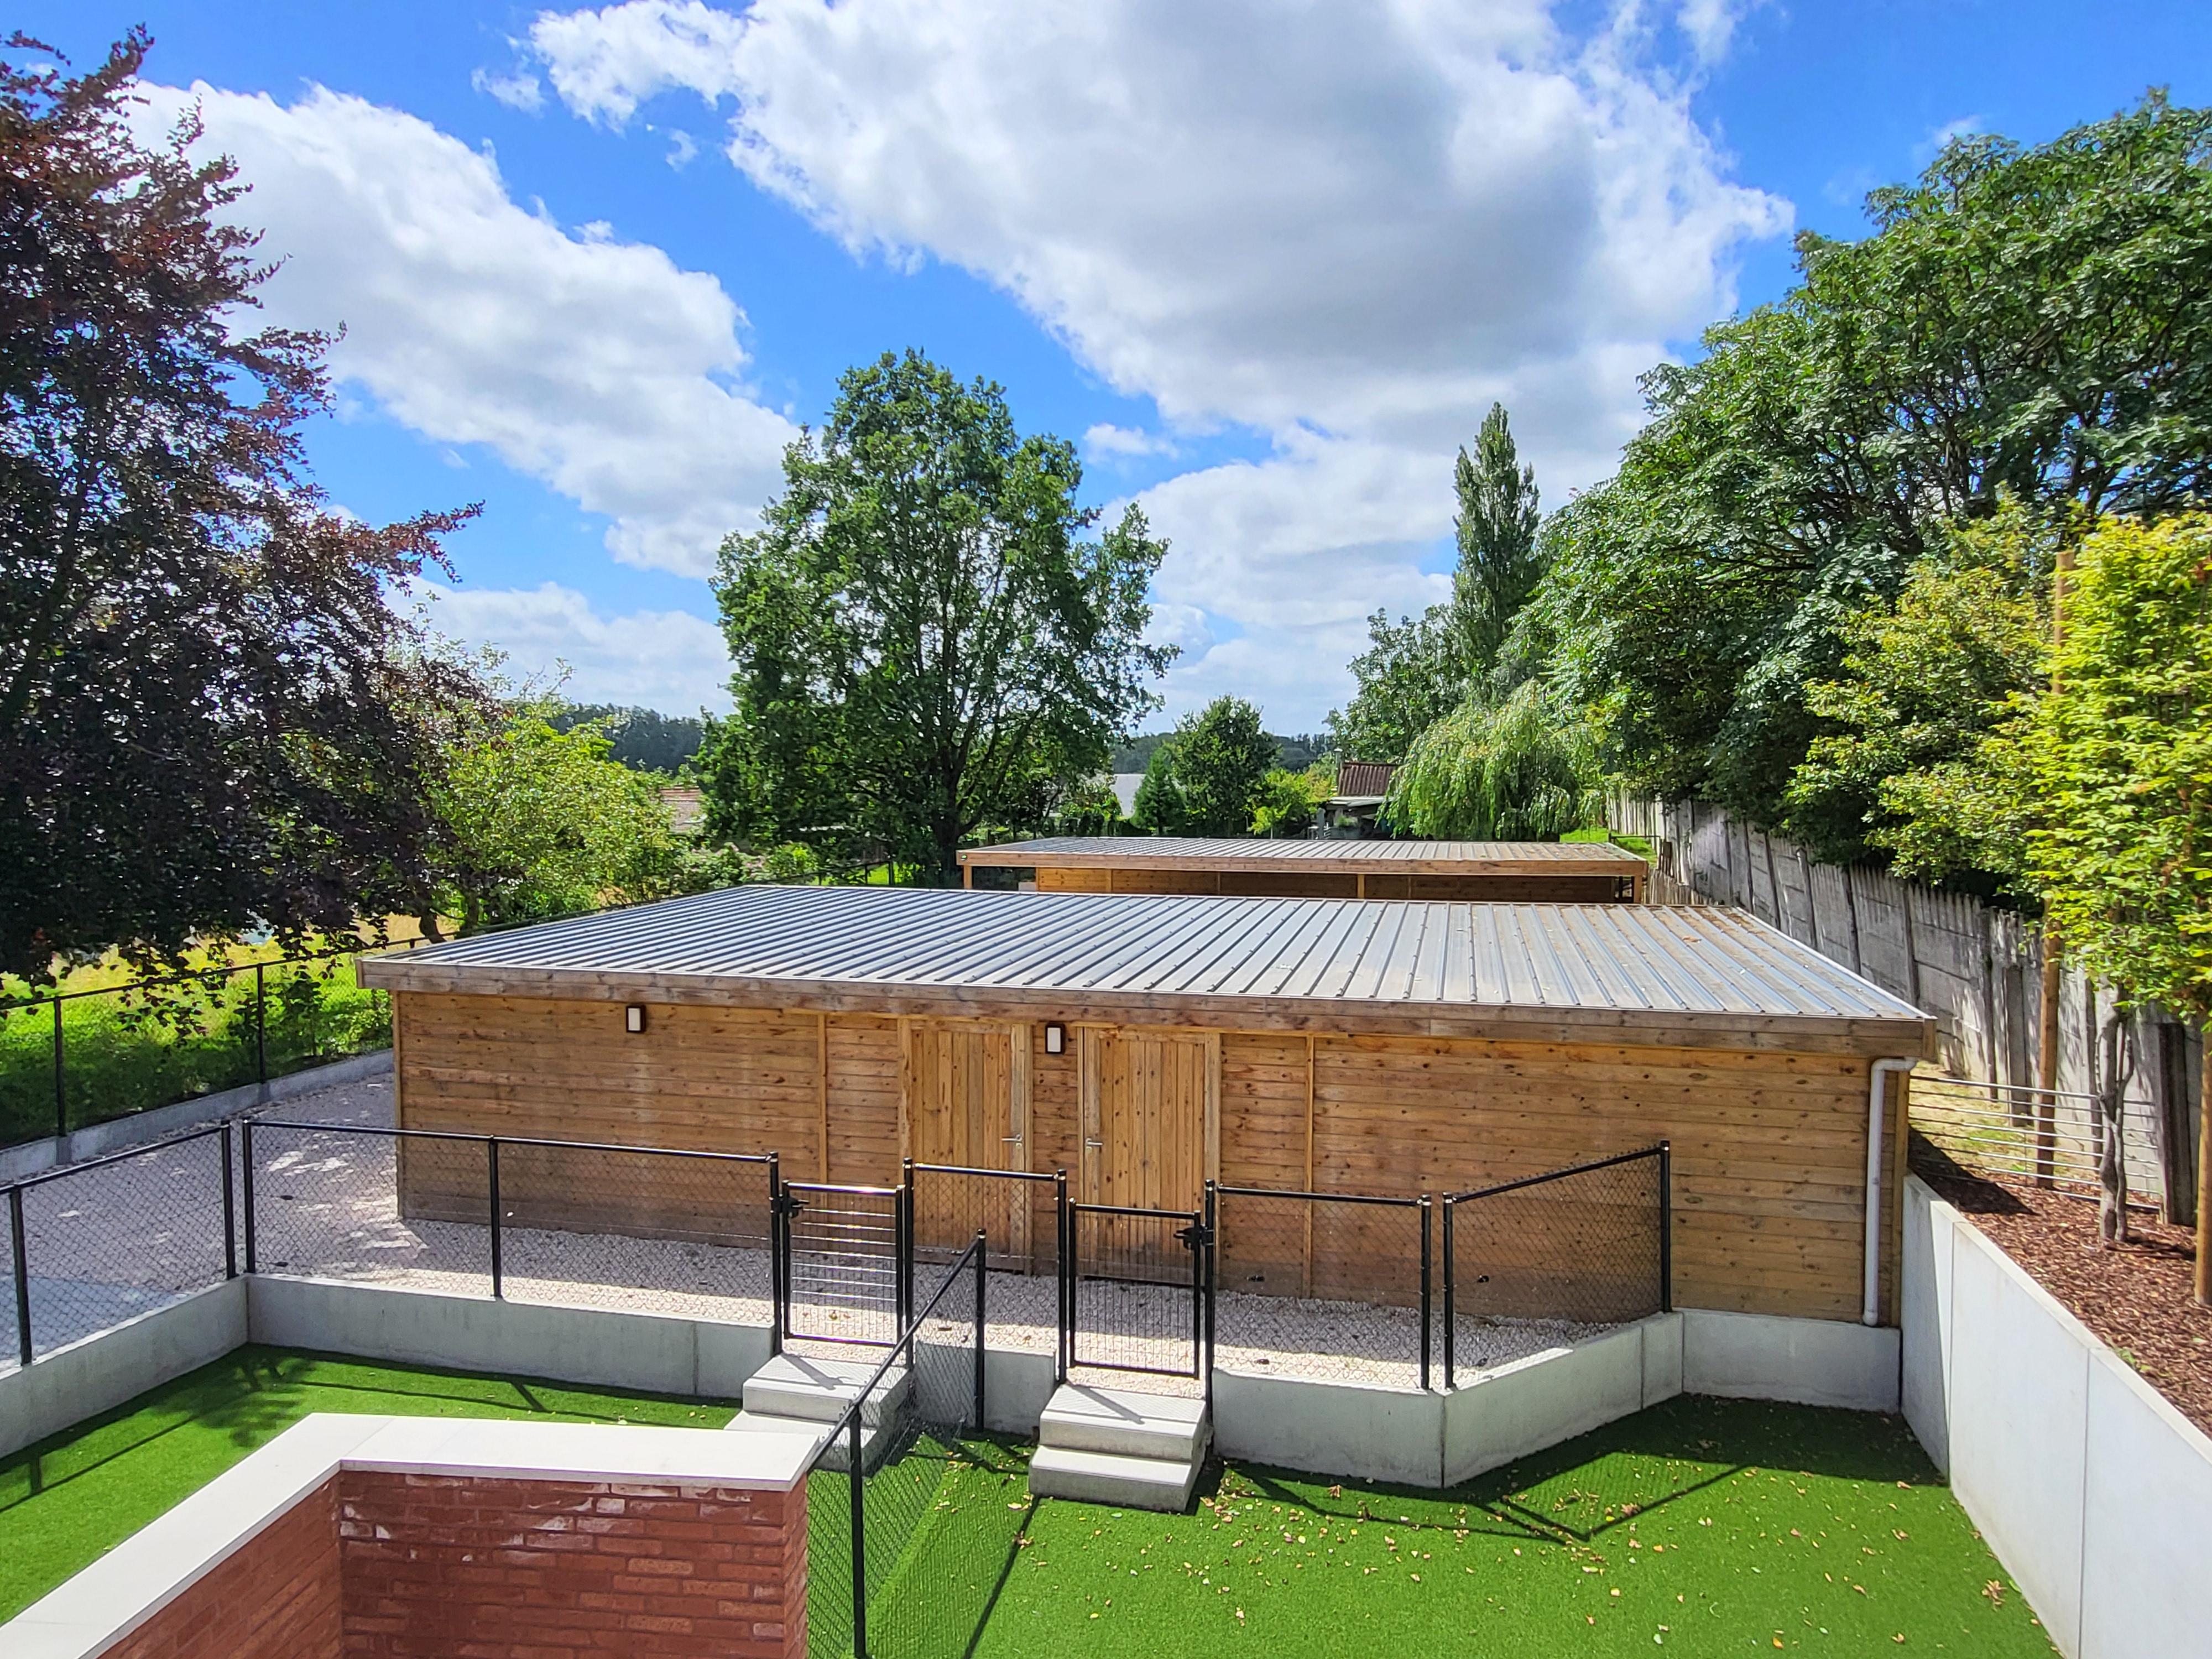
<point>34,1156</point>
<point>100,1372</point>
<point>2095,1491</point>
<point>597,1348</point>
<point>1330,1428</point>
<point>1536,1402</point>
<point>1810,1362</point>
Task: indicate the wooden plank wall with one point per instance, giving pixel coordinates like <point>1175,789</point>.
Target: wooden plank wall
<point>1769,1152</point>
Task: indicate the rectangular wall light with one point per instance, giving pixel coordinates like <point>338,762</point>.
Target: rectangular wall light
<point>1055,1038</point>
<point>634,1017</point>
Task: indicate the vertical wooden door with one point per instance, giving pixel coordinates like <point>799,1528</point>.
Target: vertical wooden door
<point>963,1102</point>
<point>1151,1116</point>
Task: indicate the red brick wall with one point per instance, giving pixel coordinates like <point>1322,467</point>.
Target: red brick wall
<point>277,1598</point>
<point>501,1569</point>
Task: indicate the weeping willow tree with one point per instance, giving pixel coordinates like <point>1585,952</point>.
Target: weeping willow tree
<point>1520,769</point>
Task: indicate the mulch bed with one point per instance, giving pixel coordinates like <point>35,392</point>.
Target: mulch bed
<point>2136,1298</point>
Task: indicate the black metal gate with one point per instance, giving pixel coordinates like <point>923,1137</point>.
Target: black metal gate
<point>1132,1289</point>
<point>844,1272</point>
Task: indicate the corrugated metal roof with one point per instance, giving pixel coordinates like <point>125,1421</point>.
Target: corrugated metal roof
<point>1199,852</point>
<point>1700,965</point>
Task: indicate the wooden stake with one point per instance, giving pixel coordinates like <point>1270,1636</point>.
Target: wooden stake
<point>2204,1174</point>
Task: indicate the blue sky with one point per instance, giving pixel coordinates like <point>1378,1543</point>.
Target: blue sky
<point>1267,263</point>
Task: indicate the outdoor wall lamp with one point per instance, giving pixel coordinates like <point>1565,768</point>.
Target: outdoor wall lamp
<point>1055,1038</point>
<point>634,1017</point>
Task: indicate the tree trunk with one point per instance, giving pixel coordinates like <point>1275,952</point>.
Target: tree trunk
<point>2119,1047</point>
<point>2204,1173</point>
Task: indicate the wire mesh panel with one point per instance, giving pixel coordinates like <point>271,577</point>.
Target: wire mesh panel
<point>619,1227</point>
<point>373,1205</point>
<point>1586,1246</point>
<point>915,1577</point>
<point>1324,1285</point>
<point>843,1256</point>
<point>120,1237</point>
<point>1015,1213</point>
<point>1134,1287</point>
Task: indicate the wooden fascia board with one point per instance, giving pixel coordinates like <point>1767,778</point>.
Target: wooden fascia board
<point>1626,864</point>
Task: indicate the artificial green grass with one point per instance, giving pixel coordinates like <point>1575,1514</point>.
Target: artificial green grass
<point>1708,1526</point>
<point>68,1500</point>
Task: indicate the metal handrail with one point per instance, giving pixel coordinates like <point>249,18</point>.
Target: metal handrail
<point>1555,1175</point>
<point>531,1141</point>
<point>62,1170</point>
<point>1318,1198</point>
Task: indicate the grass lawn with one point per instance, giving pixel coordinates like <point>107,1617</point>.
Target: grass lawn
<point>66,1501</point>
<point>1712,1527</point>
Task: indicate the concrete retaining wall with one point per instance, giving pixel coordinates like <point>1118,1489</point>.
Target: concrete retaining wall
<point>1330,1428</point>
<point>100,1372</point>
<point>599,1347</point>
<point>1811,1362</point>
<point>34,1156</point>
<point>2095,1491</point>
<point>1540,1401</point>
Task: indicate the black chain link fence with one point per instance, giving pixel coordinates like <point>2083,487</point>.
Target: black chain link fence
<point>94,1244</point>
<point>1134,1290</point>
<point>1324,1285</point>
<point>1581,1247</point>
<point>909,1525</point>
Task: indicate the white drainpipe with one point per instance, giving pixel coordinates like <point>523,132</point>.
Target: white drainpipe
<point>1881,1070</point>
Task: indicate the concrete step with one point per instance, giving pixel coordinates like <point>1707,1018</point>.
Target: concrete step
<point>1126,1483</point>
<point>818,1390</point>
<point>1125,1424</point>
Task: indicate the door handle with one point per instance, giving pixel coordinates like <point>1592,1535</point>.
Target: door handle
<point>1094,1143</point>
<point>1010,1140</point>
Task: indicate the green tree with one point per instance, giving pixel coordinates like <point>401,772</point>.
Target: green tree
<point>1159,806</point>
<point>2023,323</point>
<point>1222,756</point>
<point>1408,677</point>
<point>924,641</point>
<point>1288,801</point>
<point>210,718</point>
<point>2116,762</point>
<point>644,739</point>
<point>1924,684</point>
<point>1499,558</point>
<point>1522,770</point>
<point>545,823</point>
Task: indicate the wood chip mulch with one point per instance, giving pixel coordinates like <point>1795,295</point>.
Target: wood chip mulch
<point>2136,1298</point>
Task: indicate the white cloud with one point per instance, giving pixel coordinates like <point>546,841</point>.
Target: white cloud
<point>594,365</point>
<point>1349,226</point>
<point>520,90</point>
<point>1965,126</point>
<point>670,661</point>
<point>683,148</point>
<point>1106,439</point>
<point>1710,25</point>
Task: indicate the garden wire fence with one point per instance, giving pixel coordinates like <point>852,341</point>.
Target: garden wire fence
<point>1578,1248</point>
<point>908,1531</point>
<point>522,1219</point>
<point>1018,1215</point>
<point>1325,1285</point>
<point>93,1245</point>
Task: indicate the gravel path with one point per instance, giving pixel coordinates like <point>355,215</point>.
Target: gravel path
<point>132,1235</point>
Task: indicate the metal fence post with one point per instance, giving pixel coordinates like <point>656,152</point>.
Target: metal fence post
<point>245,1186</point>
<point>1427,1275</point>
<point>21,1259</point>
<point>1451,1335</point>
<point>229,1212</point>
<point>777,1248</point>
<point>498,1232</point>
<point>1064,1354</point>
<point>903,1245</point>
<point>859,1545</point>
<point>61,1082</point>
<point>983,1248</point>
<point>1209,1268</point>
<point>1666,1227</point>
<point>260,1027</point>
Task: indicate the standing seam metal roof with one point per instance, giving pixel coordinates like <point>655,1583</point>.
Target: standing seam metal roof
<point>1641,959</point>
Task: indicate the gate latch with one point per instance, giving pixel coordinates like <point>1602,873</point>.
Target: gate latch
<point>1197,1235</point>
<point>787,1204</point>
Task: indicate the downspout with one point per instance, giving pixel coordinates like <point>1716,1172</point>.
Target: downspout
<point>1881,1069</point>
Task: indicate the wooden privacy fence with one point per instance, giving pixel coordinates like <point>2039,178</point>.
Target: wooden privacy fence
<point>1978,969</point>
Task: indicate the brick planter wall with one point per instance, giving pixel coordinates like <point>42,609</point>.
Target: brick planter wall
<point>275,1598</point>
<point>529,1569</point>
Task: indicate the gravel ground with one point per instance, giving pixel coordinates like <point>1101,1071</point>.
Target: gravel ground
<point>132,1235</point>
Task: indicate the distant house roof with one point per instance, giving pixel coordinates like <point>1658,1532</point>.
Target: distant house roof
<point>1360,780</point>
<point>1455,858</point>
<point>1703,976</point>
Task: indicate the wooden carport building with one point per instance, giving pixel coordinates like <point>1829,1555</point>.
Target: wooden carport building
<point>1144,1044</point>
<point>1484,871</point>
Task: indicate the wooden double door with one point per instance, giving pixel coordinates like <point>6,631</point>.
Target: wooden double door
<point>964,1103</point>
<point>1151,1107</point>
